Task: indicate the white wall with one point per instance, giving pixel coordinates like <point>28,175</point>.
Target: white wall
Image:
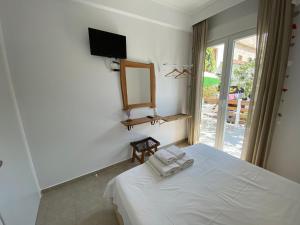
<point>164,13</point>
<point>231,21</point>
<point>213,8</point>
<point>146,10</point>
<point>19,194</point>
<point>70,102</point>
<point>284,157</point>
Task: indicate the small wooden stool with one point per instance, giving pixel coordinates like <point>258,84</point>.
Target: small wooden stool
<point>146,146</point>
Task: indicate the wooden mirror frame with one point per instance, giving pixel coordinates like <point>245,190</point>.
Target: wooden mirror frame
<point>125,63</point>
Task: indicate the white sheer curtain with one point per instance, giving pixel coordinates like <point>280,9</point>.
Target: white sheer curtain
<point>198,59</point>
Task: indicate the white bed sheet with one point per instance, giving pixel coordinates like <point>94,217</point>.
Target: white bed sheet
<point>217,190</point>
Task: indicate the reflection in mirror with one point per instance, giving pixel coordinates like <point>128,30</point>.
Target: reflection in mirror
<point>138,85</point>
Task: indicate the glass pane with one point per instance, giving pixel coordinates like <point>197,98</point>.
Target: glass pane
<point>240,86</point>
<point>211,93</point>
<point>138,85</point>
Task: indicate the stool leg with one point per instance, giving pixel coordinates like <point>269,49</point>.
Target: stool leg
<point>151,152</point>
<point>133,155</point>
<point>143,157</point>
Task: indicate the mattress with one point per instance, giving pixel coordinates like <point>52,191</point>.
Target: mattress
<point>217,190</point>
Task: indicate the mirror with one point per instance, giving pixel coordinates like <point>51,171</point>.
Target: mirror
<point>138,84</point>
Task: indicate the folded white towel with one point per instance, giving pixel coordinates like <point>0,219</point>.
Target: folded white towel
<point>165,156</point>
<point>164,170</point>
<point>185,162</point>
<point>152,168</point>
<point>174,150</point>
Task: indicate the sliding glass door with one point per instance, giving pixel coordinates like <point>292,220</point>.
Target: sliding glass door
<point>211,93</point>
<point>228,79</point>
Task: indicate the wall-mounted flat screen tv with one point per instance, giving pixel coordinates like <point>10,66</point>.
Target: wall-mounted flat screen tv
<point>107,44</point>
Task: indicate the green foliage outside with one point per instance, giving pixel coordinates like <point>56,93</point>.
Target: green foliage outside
<point>210,84</point>
<point>210,61</point>
<point>210,92</point>
<point>243,76</point>
<point>210,81</point>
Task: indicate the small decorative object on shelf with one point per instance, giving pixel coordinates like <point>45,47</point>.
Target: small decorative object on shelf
<point>128,112</point>
<point>154,119</point>
<point>155,112</point>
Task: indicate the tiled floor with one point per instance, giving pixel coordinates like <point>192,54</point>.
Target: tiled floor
<point>233,135</point>
<point>81,202</point>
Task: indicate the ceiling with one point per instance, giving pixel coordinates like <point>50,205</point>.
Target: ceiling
<point>177,14</point>
<point>189,7</point>
<point>199,10</point>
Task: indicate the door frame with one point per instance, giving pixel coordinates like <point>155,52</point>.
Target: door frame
<point>228,42</point>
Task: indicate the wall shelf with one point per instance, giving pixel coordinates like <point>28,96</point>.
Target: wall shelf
<point>130,123</point>
<point>180,116</point>
<point>153,120</point>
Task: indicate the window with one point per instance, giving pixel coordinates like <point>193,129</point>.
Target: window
<point>227,86</point>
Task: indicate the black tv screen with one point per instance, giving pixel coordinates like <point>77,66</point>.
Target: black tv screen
<point>107,44</point>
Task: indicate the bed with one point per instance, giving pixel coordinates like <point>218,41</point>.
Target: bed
<point>217,190</point>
